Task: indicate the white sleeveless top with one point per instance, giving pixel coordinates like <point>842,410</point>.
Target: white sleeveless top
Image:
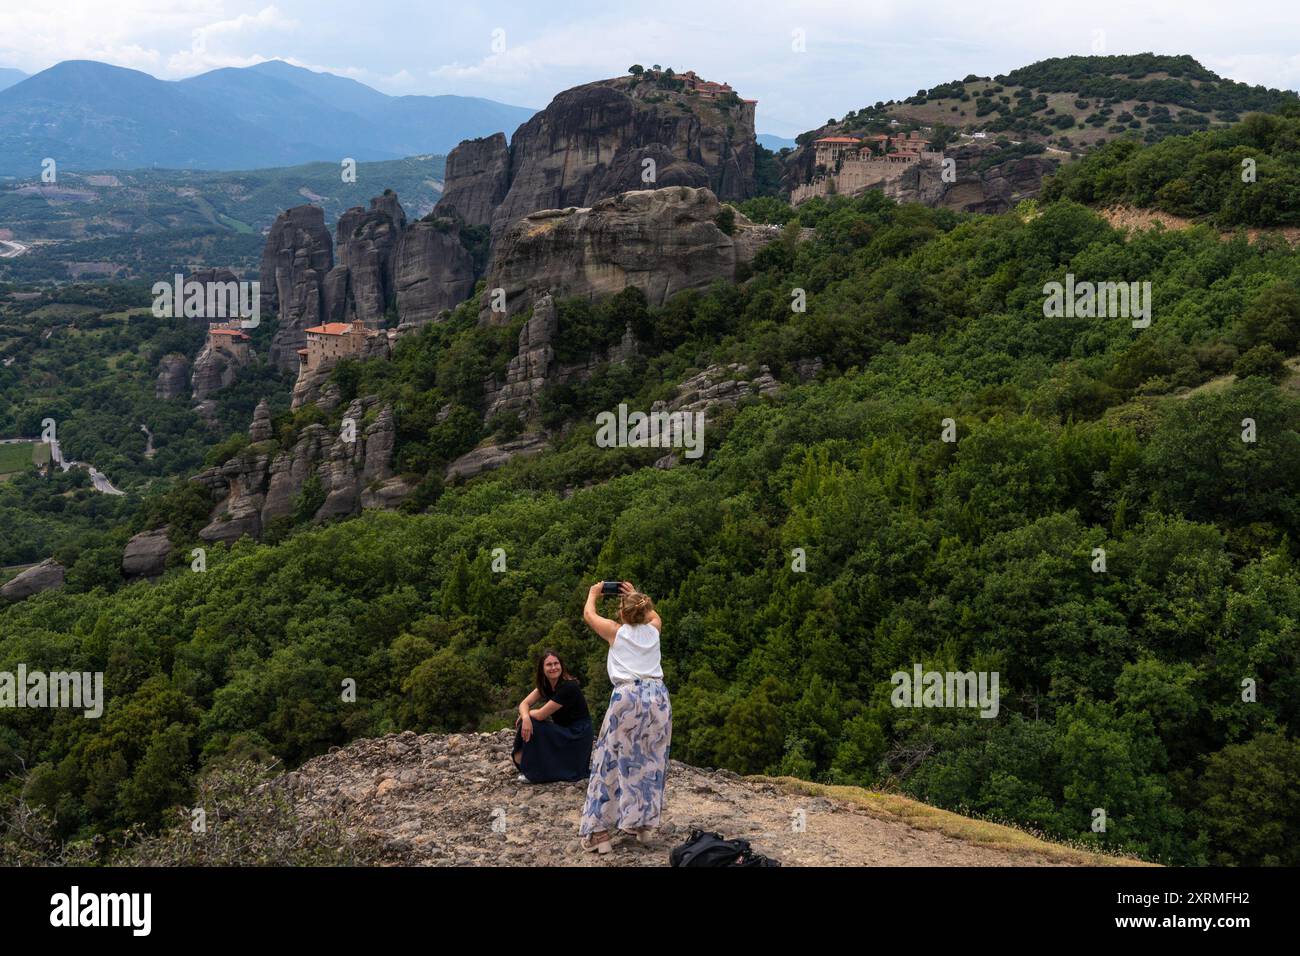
<point>634,654</point>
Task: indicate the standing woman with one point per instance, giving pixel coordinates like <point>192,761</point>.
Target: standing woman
<point>553,730</point>
<point>630,762</point>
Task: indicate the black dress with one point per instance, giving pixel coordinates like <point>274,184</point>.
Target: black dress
<point>561,746</point>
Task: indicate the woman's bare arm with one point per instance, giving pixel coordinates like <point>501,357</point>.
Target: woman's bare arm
<point>528,702</point>
<point>601,625</point>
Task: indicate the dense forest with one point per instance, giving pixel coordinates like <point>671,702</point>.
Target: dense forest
<point>1245,175</point>
<point>1160,686</point>
<point>87,357</point>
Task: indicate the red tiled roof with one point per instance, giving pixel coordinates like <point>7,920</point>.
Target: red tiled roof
<point>332,328</point>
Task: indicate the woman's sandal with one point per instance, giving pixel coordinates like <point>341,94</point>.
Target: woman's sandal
<point>602,847</point>
<point>644,835</point>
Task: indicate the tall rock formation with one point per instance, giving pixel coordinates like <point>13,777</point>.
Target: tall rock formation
<point>422,268</point>
<point>477,179</point>
<point>593,141</point>
<point>432,271</point>
<point>173,376</point>
<point>297,257</point>
<point>263,484</point>
<point>360,286</point>
<point>216,366</point>
<point>661,241</point>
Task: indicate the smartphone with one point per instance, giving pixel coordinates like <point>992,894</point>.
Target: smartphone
<point>611,587</point>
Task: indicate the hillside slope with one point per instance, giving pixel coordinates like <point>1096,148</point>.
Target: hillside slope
<point>434,800</point>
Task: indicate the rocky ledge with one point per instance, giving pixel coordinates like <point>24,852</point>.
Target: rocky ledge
<point>661,241</point>
<point>456,801</point>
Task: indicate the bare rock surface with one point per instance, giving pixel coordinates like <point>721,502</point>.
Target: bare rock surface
<point>661,241</point>
<point>488,457</point>
<point>42,577</point>
<point>146,554</point>
<point>455,800</point>
<point>477,178</point>
<point>295,260</point>
<point>591,142</point>
<point>173,377</point>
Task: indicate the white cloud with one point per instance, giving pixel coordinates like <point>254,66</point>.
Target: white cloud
<point>856,53</point>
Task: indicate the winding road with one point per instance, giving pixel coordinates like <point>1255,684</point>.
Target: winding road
<point>97,477</point>
<point>10,249</point>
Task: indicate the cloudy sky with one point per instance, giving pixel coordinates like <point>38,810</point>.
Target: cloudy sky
<point>803,61</point>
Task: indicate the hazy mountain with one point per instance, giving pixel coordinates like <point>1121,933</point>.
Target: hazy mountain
<point>8,77</point>
<point>90,115</point>
<point>774,143</point>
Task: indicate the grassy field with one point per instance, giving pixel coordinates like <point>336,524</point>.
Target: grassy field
<point>16,457</point>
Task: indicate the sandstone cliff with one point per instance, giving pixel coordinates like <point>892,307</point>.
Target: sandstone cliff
<point>433,271</point>
<point>214,369</point>
<point>264,482</point>
<point>173,376</point>
<point>661,241</point>
<point>297,257</point>
<point>591,143</point>
<point>476,180</point>
<point>993,189</point>
<point>360,286</point>
<point>421,268</point>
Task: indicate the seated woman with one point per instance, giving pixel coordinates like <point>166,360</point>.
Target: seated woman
<point>553,741</point>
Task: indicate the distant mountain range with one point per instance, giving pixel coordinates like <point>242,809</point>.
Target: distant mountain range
<point>89,116</point>
<point>774,143</point>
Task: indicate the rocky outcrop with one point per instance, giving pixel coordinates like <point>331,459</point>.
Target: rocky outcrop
<point>477,179</point>
<point>173,377</point>
<point>422,268</point>
<point>590,143</point>
<point>261,429</point>
<point>433,271</point>
<point>45,576</point>
<point>295,261</point>
<point>146,554</point>
<point>360,286</point>
<point>534,366</point>
<point>660,241</point>
<point>488,457</point>
<point>717,385</point>
<point>456,800</point>
<point>526,374</point>
<point>215,368</point>
<point>993,189</point>
<point>263,483</point>
<point>650,167</point>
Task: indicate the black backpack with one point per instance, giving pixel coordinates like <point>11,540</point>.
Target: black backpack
<point>710,849</point>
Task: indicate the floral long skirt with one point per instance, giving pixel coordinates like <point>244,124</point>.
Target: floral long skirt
<point>630,762</point>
